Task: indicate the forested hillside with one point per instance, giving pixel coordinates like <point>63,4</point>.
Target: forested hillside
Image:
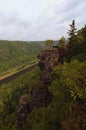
<point>10,94</point>
<point>14,54</point>
<point>67,109</point>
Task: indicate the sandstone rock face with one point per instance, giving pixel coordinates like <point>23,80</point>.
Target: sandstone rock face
<point>40,96</point>
<point>48,59</point>
<point>84,84</point>
<point>45,68</point>
<point>1,50</point>
<point>22,112</point>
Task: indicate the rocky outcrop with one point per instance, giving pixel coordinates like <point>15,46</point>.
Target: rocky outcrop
<point>45,68</point>
<point>84,84</point>
<point>22,112</point>
<point>48,59</point>
<point>40,96</point>
<point>1,50</point>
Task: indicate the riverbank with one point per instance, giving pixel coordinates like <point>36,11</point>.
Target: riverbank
<point>17,69</point>
<point>17,74</point>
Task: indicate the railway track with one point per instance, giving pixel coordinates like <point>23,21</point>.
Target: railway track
<point>16,75</point>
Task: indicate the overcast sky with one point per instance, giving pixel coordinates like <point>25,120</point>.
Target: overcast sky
<point>39,19</point>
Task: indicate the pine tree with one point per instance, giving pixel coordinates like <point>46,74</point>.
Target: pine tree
<point>72,33</point>
<point>72,51</point>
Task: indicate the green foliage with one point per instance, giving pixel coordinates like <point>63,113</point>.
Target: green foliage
<point>62,43</point>
<point>71,77</point>
<point>72,33</point>
<point>67,87</point>
<point>41,119</point>
<point>10,94</point>
<point>72,46</point>
<point>81,39</point>
<point>77,43</point>
<point>14,54</point>
<point>49,43</point>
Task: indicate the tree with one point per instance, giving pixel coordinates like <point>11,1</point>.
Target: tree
<point>81,37</point>
<point>72,44</point>
<point>62,42</point>
<point>72,33</point>
<point>49,43</point>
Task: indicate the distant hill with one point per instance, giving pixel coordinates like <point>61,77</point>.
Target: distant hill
<point>16,53</point>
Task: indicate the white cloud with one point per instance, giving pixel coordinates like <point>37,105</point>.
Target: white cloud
<point>39,19</point>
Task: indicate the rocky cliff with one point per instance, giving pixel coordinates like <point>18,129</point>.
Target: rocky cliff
<point>40,96</point>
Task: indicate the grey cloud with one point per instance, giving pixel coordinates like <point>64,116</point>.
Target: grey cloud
<point>52,23</point>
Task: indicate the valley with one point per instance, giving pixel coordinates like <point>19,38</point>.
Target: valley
<point>15,55</point>
<point>48,93</point>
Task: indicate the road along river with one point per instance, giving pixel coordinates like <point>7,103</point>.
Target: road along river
<point>16,75</point>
